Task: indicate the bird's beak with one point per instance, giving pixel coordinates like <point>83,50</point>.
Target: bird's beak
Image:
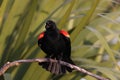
<point>47,26</point>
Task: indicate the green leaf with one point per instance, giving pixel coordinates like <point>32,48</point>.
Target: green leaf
<point>104,44</point>
<point>65,17</point>
<point>2,11</point>
<point>107,72</point>
<point>26,23</point>
<point>7,76</point>
<point>84,21</point>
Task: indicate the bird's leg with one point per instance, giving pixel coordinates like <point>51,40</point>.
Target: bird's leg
<point>59,57</point>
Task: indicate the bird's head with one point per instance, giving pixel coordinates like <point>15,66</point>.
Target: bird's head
<point>50,25</point>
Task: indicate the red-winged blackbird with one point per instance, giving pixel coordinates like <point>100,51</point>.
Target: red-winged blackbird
<point>56,44</point>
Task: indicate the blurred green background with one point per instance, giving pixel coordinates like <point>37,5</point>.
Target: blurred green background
<point>94,26</point>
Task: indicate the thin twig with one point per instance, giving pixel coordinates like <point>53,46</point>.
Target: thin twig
<point>18,62</point>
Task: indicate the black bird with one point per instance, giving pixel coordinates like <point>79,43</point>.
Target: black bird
<point>56,44</point>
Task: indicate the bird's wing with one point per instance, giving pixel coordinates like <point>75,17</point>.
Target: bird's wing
<point>40,37</point>
<point>66,38</point>
<point>64,33</point>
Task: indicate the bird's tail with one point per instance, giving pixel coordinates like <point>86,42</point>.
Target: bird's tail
<point>68,60</point>
<point>56,67</point>
<point>53,67</point>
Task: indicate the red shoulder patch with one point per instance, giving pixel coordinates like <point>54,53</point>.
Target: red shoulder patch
<point>41,35</point>
<point>65,33</point>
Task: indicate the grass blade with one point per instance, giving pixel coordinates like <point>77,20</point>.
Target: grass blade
<point>85,20</point>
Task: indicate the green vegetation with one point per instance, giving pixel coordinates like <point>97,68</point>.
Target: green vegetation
<point>94,26</point>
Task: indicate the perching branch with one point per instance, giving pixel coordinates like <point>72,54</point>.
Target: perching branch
<point>18,62</point>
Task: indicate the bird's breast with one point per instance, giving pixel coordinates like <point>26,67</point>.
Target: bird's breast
<point>54,44</point>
